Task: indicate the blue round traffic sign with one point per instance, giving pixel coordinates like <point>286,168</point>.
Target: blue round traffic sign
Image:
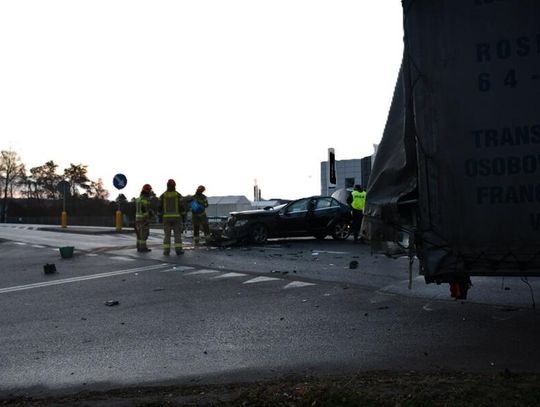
<point>119,181</point>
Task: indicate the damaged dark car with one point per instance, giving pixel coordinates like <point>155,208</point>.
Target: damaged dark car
<point>317,216</point>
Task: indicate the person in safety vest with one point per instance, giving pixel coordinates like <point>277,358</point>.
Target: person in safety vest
<point>172,209</point>
<point>142,218</point>
<point>198,212</point>
<point>357,202</point>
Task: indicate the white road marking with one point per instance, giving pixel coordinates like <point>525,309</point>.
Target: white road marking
<point>331,252</point>
<point>82,278</point>
<point>177,268</point>
<point>260,280</point>
<point>91,255</point>
<point>427,307</point>
<point>121,258</point>
<point>203,271</point>
<point>230,275</point>
<point>20,243</point>
<point>296,284</point>
<point>38,246</point>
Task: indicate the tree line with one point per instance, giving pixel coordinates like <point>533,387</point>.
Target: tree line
<point>40,183</point>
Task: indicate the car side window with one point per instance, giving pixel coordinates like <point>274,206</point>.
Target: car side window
<point>323,203</point>
<point>334,202</point>
<point>298,206</point>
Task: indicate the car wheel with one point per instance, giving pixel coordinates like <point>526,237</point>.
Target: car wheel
<point>341,230</point>
<point>259,234</point>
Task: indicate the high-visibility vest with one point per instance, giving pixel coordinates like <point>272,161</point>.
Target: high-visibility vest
<point>359,200</point>
<point>142,208</point>
<point>170,202</point>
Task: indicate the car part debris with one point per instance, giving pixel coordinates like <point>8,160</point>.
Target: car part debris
<point>49,268</point>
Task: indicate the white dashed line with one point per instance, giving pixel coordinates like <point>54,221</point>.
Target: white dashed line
<point>329,252</point>
<point>229,275</point>
<point>20,243</point>
<point>37,246</point>
<point>260,280</point>
<point>91,255</point>
<point>297,284</point>
<point>121,258</point>
<point>203,271</point>
<point>177,268</point>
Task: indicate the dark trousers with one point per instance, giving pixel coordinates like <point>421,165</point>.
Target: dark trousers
<point>357,216</point>
<point>200,221</point>
<point>142,228</point>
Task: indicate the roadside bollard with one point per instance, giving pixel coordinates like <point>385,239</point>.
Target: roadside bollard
<point>118,221</point>
<point>64,219</point>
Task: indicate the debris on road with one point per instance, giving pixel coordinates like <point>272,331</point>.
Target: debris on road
<point>49,268</point>
<point>353,264</point>
<point>112,303</point>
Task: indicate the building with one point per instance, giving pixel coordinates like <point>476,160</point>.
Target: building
<point>348,174</point>
<point>220,206</point>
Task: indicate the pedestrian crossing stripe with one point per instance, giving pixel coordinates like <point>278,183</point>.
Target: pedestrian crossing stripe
<point>260,280</point>
<point>229,275</point>
<point>203,271</point>
<point>296,284</point>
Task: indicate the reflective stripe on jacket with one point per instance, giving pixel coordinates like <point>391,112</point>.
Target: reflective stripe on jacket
<point>358,200</point>
<point>142,206</point>
<point>170,204</point>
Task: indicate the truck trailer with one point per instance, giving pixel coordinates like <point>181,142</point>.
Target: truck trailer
<point>456,178</point>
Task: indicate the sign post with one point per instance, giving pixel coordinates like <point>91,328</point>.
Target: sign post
<point>331,179</point>
<point>119,182</point>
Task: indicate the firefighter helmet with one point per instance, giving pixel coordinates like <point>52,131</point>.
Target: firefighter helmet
<point>171,183</point>
<point>146,188</point>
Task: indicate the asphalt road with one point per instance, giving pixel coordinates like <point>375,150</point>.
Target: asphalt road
<point>241,313</point>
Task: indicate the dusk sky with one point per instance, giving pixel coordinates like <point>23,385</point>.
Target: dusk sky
<point>206,92</point>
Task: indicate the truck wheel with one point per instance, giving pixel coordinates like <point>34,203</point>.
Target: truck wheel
<point>341,230</point>
<point>259,234</point>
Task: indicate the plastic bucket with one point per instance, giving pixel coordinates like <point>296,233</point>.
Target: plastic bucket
<point>66,252</point>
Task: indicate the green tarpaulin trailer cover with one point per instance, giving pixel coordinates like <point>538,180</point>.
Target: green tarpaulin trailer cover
<point>457,174</point>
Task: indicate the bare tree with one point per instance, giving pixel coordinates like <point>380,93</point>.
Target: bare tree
<point>98,190</point>
<point>11,170</point>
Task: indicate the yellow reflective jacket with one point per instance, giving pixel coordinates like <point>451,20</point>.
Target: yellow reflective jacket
<point>142,205</point>
<point>358,200</point>
<point>171,205</point>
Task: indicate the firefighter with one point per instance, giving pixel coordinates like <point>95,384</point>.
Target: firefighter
<point>199,218</point>
<point>357,202</point>
<point>142,218</point>
<point>172,209</point>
